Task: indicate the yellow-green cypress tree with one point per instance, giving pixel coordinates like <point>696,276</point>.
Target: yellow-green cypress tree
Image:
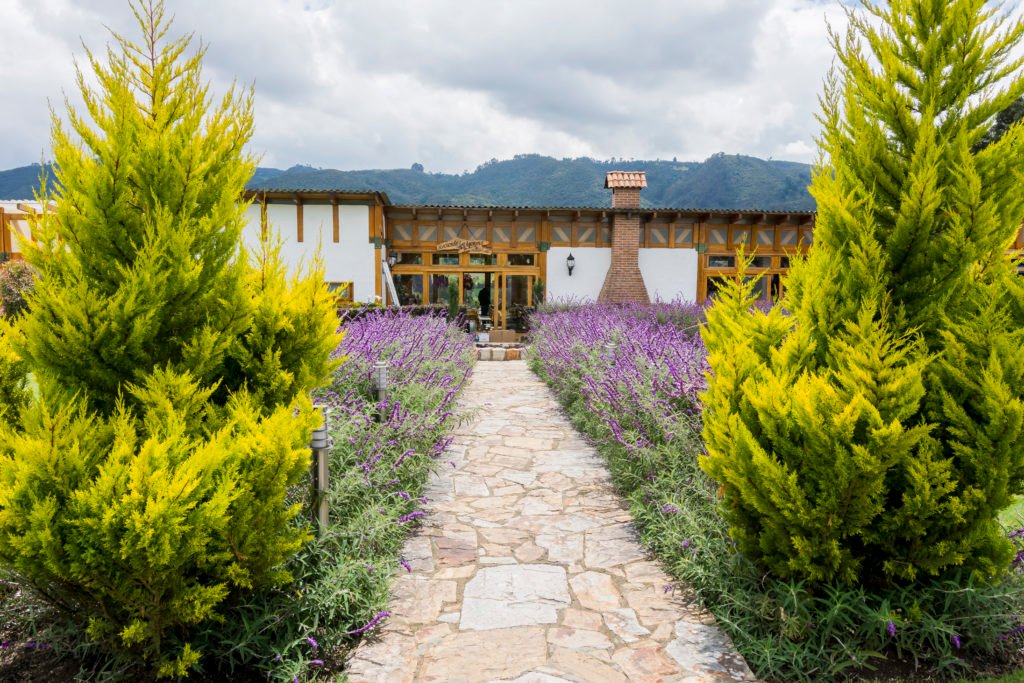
<point>869,429</point>
<point>147,483</point>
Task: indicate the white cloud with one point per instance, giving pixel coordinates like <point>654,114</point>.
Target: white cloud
<point>450,83</point>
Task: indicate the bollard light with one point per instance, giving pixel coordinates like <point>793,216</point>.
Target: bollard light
<point>380,379</point>
<point>610,348</point>
<point>319,444</point>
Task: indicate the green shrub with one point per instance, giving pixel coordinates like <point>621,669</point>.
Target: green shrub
<point>145,489</point>
<point>872,436</point>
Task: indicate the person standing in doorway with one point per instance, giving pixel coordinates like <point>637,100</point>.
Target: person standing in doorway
<point>485,301</point>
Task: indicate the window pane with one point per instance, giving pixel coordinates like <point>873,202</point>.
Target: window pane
<point>410,289</point>
<point>784,262</point>
<point>439,288</point>
<point>766,236</point>
<point>446,259</point>
<point>658,235</point>
<point>586,234</point>
<point>562,233</point>
<point>761,262</point>
<point>721,261</point>
<point>719,235</point>
<point>408,259</point>
<point>741,236</point>
<point>342,292</point>
<point>787,237</point>
<point>526,234</point>
<point>483,259</point>
<point>684,235</point>
<point>428,233</point>
<point>714,285</point>
<point>477,232</point>
<point>403,232</point>
<point>452,232</point>
<point>606,234</point>
<point>520,259</point>
<point>502,234</point>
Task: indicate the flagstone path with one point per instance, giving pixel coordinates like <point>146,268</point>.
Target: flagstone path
<point>527,567</point>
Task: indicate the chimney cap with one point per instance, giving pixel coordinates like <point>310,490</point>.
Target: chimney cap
<point>630,179</point>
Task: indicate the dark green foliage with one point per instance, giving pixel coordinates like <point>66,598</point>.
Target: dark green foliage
<point>1004,119</point>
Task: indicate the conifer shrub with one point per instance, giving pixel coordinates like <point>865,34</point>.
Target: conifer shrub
<point>145,488</point>
<point>869,429</point>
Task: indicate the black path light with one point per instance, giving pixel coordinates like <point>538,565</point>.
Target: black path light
<point>320,444</point>
<point>570,263</point>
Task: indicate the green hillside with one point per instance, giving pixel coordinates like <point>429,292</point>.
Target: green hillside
<point>720,182</point>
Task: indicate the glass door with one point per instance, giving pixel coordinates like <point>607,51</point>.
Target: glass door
<point>518,291</point>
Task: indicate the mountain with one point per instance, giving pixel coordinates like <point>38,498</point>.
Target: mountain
<point>720,182</point>
<point>22,182</point>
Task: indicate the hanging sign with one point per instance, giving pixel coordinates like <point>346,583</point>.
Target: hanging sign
<point>465,246</point>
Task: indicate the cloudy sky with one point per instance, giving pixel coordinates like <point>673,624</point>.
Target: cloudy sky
<point>355,84</point>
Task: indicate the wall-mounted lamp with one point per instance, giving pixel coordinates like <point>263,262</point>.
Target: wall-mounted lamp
<point>392,260</point>
<point>570,263</point>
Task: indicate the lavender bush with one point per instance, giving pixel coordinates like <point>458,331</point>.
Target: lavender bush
<point>637,399</point>
<point>382,455</point>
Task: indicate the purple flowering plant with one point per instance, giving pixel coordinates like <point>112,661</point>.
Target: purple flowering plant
<point>383,451</point>
<point>630,377</point>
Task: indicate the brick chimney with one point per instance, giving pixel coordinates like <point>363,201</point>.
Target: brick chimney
<point>624,282</point>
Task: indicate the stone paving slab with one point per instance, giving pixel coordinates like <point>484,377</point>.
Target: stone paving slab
<point>527,567</point>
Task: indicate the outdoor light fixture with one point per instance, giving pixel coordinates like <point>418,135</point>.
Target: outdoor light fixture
<point>392,260</point>
<point>380,379</point>
<point>320,443</point>
<point>570,262</point>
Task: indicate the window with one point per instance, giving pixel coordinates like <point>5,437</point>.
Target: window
<point>761,262</point>
<point>407,259</point>
<point>483,259</point>
<point>715,261</point>
<point>520,259</point>
<point>446,259</point>
<point>409,289</point>
<point>342,292</point>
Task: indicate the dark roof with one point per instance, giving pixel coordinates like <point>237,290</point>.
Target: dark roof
<point>642,209</point>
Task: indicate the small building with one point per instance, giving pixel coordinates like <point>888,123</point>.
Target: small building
<point>374,250</point>
<point>14,226</point>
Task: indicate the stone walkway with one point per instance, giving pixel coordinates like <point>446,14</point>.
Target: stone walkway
<point>527,567</point>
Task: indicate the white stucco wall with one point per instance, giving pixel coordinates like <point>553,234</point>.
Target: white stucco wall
<point>352,259</point>
<point>670,273</point>
<point>592,265</point>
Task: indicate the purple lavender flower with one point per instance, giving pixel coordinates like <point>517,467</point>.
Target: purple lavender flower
<point>891,628</point>
<point>956,641</point>
<point>409,517</point>
<point>316,662</point>
<point>372,624</point>
<point>312,642</point>
<point>405,564</point>
<point>669,509</point>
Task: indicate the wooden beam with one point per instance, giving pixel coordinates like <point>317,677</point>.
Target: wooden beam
<point>298,218</point>
<point>336,235</point>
